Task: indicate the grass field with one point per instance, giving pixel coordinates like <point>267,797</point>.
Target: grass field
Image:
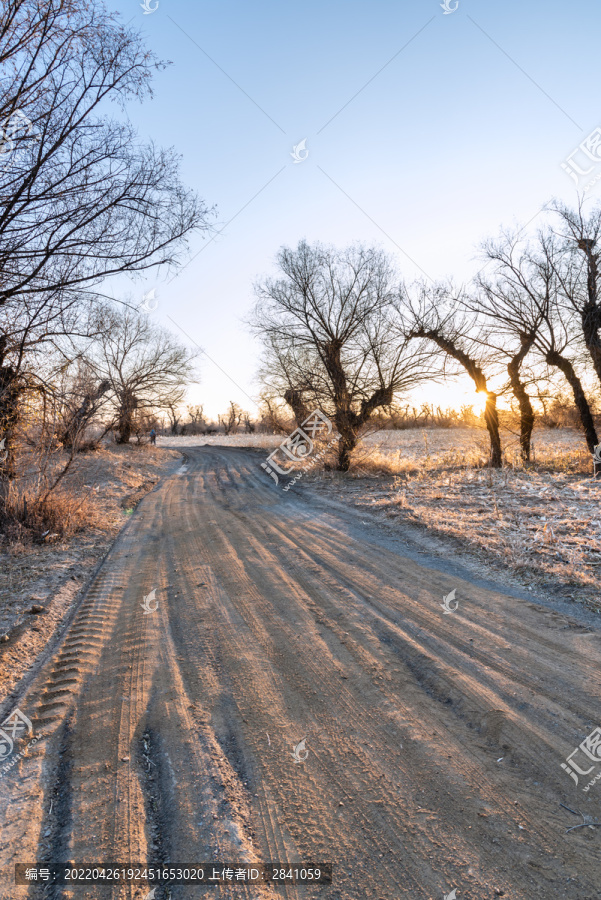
<point>543,520</point>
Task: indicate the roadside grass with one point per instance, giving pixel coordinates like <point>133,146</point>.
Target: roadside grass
<point>30,516</point>
<point>83,500</point>
<point>541,519</point>
<point>51,544</point>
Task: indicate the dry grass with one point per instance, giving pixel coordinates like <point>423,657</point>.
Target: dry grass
<point>267,442</point>
<point>82,520</point>
<point>418,450</point>
<point>540,523</point>
<point>83,498</point>
<point>62,514</point>
<point>543,520</point>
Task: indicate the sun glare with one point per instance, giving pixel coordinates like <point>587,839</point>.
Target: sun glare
<point>460,398</point>
<point>479,402</point>
<point>454,396</point>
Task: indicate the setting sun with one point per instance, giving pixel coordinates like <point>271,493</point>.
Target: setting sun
<point>479,401</point>
<point>452,395</point>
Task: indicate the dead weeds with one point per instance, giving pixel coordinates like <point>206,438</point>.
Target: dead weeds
<point>543,520</point>
<point>62,540</point>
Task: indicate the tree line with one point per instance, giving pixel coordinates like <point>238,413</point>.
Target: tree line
<point>342,331</point>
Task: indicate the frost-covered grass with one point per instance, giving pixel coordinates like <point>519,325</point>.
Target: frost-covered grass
<point>543,519</point>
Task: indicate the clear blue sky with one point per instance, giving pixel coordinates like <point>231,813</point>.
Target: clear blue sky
<point>459,125</point>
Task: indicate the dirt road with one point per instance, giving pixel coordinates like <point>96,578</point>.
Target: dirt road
<point>434,740</point>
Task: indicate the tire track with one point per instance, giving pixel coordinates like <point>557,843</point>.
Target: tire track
<point>171,734</point>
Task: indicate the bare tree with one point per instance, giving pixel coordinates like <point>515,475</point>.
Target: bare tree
<point>174,415</point>
<point>32,329</point>
<point>196,414</point>
<point>272,415</point>
<point>82,197</point>
<point>82,399</point>
<point>524,299</point>
<point>431,313</point>
<point>508,335</point>
<point>195,423</point>
<point>147,368</point>
<point>231,420</point>
<point>326,328</point>
<point>577,251</point>
<point>249,425</point>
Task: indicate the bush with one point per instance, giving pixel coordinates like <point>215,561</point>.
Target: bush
<point>29,516</point>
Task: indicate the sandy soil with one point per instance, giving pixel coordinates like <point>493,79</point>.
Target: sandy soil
<point>434,741</point>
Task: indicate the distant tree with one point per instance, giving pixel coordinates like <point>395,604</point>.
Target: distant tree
<point>231,420</point>
<point>147,368</point>
<point>196,414</point>
<point>174,415</point>
<point>272,416</point>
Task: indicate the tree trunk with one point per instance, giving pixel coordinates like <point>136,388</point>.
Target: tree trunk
<point>519,392</point>
<point>294,399</point>
<point>590,317</point>
<point>126,412</point>
<point>491,417</point>
<point>582,405</point>
<point>124,428</point>
<point>346,445</point>
<point>82,416</point>
<point>9,415</point>
<point>591,311</point>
